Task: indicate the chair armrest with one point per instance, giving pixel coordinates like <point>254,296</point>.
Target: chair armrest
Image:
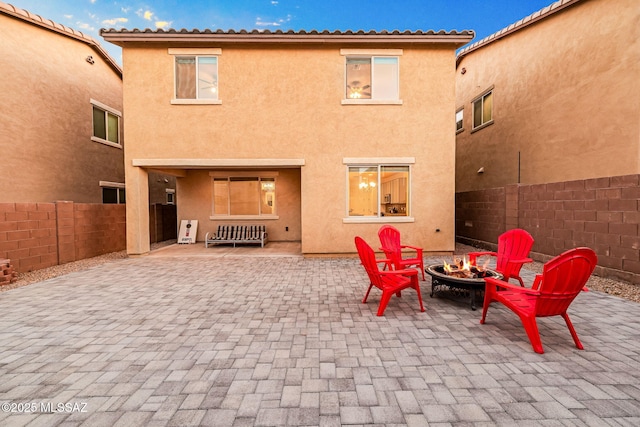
<point>407,272</point>
<point>496,283</point>
<point>474,255</point>
<point>520,261</point>
<point>386,261</point>
<point>415,248</point>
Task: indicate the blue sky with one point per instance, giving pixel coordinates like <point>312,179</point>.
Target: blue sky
<point>483,16</point>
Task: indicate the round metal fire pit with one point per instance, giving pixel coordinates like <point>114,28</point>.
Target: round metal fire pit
<point>441,281</point>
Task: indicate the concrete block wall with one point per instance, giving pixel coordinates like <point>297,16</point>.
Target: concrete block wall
<point>28,235</point>
<point>481,215</point>
<point>99,229</point>
<point>602,213</point>
<point>39,235</point>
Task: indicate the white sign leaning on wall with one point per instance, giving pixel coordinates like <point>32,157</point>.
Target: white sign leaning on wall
<point>188,230</point>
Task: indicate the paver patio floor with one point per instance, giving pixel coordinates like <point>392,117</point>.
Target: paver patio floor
<point>274,341</point>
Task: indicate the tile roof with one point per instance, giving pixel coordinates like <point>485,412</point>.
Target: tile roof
<point>524,22</point>
<point>24,15</point>
<point>123,35</point>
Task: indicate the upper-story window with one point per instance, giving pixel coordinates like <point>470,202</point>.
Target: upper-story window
<point>483,110</point>
<point>196,76</point>
<point>372,76</point>
<point>459,123</point>
<point>106,124</point>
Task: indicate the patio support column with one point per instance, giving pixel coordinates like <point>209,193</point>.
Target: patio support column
<point>137,184</point>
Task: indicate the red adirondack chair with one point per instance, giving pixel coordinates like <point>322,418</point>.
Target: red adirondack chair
<point>552,292</point>
<point>390,281</point>
<point>390,241</point>
<point>513,251</point>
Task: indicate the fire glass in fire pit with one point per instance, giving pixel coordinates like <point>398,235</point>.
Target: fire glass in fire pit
<point>460,278</point>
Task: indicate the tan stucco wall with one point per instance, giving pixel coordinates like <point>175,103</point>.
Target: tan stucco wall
<point>46,116</point>
<point>285,103</point>
<point>565,96</point>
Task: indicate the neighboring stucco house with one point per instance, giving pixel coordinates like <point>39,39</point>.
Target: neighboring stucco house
<point>60,114</point>
<point>553,97</point>
<point>548,133</point>
<point>321,136</point>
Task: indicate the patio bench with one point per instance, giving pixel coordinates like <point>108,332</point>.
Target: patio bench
<point>237,234</point>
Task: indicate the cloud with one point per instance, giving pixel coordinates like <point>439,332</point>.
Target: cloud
<point>68,16</point>
<point>125,9</point>
<point>277,23</point>
<point>85,26</point>
<point>274,2</point>
<point>150,16</point>
<point>144,14</point>
<point>115,21</point>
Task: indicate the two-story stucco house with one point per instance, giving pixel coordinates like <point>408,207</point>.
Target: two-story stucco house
<point>320,136</point>
<point>61,129</point>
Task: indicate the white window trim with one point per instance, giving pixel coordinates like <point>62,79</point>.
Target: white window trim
<point>251,174</point>
<point>370,53</point>
<point>473,101</point>
<point>110,184</point>
<point>176,51</point>
<point>113,111</point>
<point>377,161</point>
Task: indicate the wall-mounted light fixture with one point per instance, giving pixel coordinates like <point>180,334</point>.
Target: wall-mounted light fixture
<point>90,59</point>
<point>481,170</point>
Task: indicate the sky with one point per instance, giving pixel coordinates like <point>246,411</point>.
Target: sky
<point>485,17</point>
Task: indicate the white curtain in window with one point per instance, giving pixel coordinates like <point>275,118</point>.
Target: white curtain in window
<point>385,78</point>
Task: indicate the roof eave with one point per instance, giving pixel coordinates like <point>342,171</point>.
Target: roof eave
<point>517,26</point>
<point>47,24</point>
<point>122,37</point>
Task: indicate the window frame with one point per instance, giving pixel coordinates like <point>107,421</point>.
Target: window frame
<point>379,162</point>
<point>259,175</point>
<point>197,53</point>
<point>481,98</point>
<point>461,121</point>
<point>120,192</point>
<point>371,54</point>
<point>107,110</point>
<point>170,196</point>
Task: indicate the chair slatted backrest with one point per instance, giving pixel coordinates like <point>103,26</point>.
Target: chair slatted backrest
<point>368,260</point>
<point>390,241</point>
<point>513,244</point>
<point>562,280</point>
<point>223,232</point>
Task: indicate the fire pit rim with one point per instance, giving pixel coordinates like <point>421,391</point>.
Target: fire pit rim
<point>430,270</point>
